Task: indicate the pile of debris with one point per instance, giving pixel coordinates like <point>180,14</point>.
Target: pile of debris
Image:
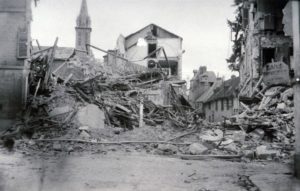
<point>268,126</point>
<point>122,98</point>
<point>84,102</point>
<point>83,94</point>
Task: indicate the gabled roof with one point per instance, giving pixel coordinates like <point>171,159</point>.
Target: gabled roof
<point>61,53</point>
<point>226,89</point>
<point>206,95</point>
<point>210,75</point>
<point>172,34</point>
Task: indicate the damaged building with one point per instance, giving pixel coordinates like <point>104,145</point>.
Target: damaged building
<point>266,50</point>
<point>223,102</point>
<point>149,47</point>
<point>200,83</point>
<point>206,96</point>
<point>15,23</point>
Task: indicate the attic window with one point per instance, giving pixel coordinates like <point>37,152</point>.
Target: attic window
<point>22,43</point>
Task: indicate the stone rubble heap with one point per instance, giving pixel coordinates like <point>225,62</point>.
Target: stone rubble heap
<point>99,107</point>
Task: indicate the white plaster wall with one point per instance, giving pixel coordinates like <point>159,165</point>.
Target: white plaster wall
<point>172,46</point>
<point>137,53</point>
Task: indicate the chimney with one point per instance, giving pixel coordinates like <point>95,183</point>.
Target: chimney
<point>195,72</point>
<point>202,69</point>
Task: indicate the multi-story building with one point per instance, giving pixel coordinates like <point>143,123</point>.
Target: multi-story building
<point>201,82</point>
<point>266,52</point>
<point>15,19</point>
<point>223,102</point>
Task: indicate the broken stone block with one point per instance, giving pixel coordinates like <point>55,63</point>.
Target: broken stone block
<point>226,142</point>
<point>281,106</point>
<point>231,147</point>
<point>84,128</point>
<point>262,152</point>
<point>84,135</point>
<point>167,148</point>
<point>197,149</point>
<point>249,154</point>
<point>91,116</point>
<point>212,136</point>
<point>236,136</point>
<point>257,134</point>
<point>57,146</point>
<point>60,110</point>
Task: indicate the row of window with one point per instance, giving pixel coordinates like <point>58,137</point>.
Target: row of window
<point>224,104</point>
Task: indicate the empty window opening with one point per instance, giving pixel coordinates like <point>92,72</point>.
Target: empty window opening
<point>222,104</point>
<point>291,51</point>
<point>151,49</point>
<point>268,55</point>
<point>227,104</point>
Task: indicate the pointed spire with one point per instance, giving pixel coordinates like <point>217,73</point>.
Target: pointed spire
<point>84,20</point>
<point>83,9</point>
<point>83,27</point>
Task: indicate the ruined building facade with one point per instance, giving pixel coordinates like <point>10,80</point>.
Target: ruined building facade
<point>138,45</point>
<point>83,28</point>
<point>15,19</point>
<point>266,49</point>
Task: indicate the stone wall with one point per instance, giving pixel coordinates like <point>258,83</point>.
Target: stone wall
<point>15,18</point>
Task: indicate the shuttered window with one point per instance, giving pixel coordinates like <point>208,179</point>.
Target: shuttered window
<point>22,43</point>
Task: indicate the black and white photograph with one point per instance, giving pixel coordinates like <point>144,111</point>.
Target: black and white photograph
<point>149,95</point>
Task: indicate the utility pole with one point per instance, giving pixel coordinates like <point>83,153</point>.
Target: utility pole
<point>296,81</point>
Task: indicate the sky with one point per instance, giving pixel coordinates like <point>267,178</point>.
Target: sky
<point>201,23</point>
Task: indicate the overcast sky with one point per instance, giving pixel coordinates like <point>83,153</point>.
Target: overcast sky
<point>201,23</point>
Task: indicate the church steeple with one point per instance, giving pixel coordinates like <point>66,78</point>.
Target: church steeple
<point>83,27</point>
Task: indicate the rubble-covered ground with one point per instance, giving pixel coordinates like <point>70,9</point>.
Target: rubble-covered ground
<point>96,111</point>
<point>83,106</point>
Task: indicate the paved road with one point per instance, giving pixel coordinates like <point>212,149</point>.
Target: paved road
<point>124,172</point>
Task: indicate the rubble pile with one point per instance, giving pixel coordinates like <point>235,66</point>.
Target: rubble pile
<point>264,131</point>
<point>121,98</point>
<point>84,103</point>
<point>81,96</point>
<point>268,126</point>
